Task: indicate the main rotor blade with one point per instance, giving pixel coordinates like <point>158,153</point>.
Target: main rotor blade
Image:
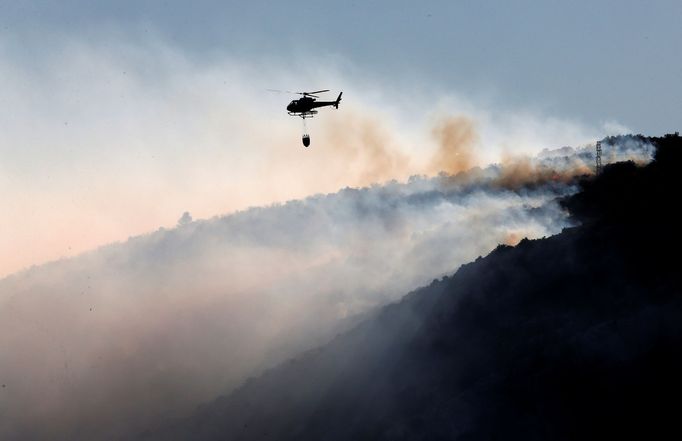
<point>312,94</point>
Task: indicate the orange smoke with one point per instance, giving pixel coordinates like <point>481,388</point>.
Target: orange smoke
<point>519,171</point>
<point>456,137</point>
<point>512,238</point>
<point>367,147</point>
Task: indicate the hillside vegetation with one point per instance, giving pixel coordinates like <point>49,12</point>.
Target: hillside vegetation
<point>574,336</point>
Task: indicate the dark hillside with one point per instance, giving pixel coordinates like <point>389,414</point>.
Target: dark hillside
<point>576,336</point>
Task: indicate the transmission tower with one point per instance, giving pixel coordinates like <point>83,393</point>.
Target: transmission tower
<point>598,167</point>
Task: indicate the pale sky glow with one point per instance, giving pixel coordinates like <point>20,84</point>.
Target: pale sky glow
<point>116,117</point>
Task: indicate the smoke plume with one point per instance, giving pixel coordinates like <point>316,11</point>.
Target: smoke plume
<point>106,343</point>
<point>109,138</point>
<point>112,341</point>
<point>456,141</point>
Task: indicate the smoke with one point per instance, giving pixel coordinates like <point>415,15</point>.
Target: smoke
<point>101,144</point>
<point>363,141</point>
<point>115,340</point>
<point>110,138</point>
<point>618,149</point>
<point>456,141</point>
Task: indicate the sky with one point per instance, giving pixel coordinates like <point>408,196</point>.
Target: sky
<point>117,117</point>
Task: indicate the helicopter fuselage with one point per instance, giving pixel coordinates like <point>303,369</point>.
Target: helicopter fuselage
<point>304,106</point>
<point>307,104</point>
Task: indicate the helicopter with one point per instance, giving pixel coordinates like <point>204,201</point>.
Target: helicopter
<point>304,107</point>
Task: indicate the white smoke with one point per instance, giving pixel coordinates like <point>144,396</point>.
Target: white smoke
<point>116,339</point>
<point>109,138</point>
<point>100,144</point>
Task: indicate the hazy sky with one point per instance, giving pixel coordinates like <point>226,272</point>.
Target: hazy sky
<point>116,117</point>
<point>586,59</point>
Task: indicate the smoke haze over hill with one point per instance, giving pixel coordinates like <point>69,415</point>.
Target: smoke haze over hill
<point>109,138</point>
<point>169,247</point>
<point>575,336</point>
<point>111,341</point>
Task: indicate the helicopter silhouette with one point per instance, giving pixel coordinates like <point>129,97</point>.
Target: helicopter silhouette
<point>305,106</point>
